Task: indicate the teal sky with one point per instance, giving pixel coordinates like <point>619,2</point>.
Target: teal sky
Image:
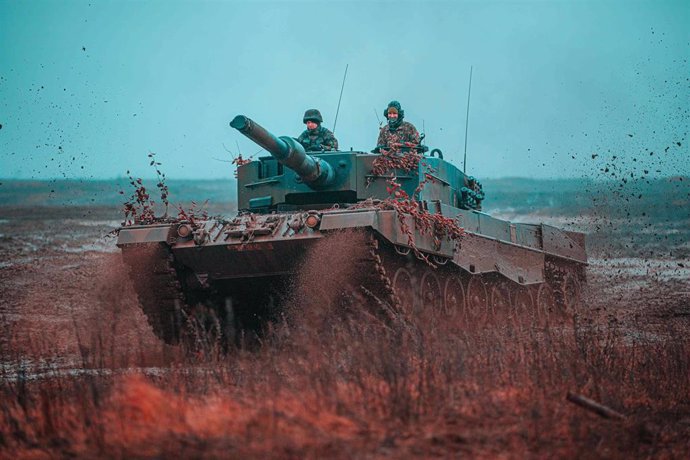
<point>87,90</point>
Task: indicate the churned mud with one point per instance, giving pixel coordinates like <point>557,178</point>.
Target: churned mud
<point>81,373</point>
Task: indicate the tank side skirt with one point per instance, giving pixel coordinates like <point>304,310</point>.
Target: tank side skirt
<point>143,234</point>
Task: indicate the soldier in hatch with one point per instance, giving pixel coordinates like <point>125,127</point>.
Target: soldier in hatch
<point>397,134</point>
<point>316,138</point>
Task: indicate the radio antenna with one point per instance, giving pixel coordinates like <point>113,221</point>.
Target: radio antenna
<point>377,117</point>
<point>340,98</point>
<point>467,121</point>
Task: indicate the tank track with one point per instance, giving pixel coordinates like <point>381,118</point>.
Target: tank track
<point>152,271</point>
<point>201,319</point>
<point>403,285</point>
<point>379,286</point>
<point>392,281</point>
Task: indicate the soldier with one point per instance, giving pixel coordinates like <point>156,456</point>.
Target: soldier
<point>398,134</point>
<point>316,138</point>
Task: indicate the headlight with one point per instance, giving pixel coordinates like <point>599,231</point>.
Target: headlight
<point>184,230</point>
<point>312,220</point>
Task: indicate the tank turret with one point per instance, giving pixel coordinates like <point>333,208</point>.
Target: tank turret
<point>312,170</point>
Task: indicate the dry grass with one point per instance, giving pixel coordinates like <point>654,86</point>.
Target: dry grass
<point>329,384</point>
<point>431,385</point>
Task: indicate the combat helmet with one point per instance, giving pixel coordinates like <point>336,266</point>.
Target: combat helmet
<point>312,115</point>
<point>396,105</point>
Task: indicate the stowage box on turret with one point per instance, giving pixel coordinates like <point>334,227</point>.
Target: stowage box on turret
<point>430,246</point>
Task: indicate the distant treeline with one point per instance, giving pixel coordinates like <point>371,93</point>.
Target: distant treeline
<point>642,197</point>
<point>112,192</point>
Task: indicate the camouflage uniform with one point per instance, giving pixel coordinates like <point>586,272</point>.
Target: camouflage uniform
<point>317,140</point>
<point>404,132</point>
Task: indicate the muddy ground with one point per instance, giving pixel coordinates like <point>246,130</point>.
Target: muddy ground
<point>69,312</point>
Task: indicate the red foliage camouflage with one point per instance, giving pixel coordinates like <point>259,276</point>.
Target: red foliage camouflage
<point>139,209</point>
<point>192,215</point>
<point>239,161</point>
<point>426,223</point>
<point>392,159</point>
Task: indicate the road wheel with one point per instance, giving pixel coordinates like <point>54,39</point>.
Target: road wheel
<point>403,285</point>
<point>523,311</point>
<point>431,291</point>
<point>477,299</point>
<point>454,296</point>
<point>499,304</point>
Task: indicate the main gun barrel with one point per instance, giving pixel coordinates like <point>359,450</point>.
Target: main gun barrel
<point>312,170</point>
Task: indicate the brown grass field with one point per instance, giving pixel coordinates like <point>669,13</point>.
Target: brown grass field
<point>82,375</point>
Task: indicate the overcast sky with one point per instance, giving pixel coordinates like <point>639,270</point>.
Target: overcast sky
<point>87,90</point>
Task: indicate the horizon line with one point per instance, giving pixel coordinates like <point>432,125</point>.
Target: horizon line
<point>233,179</point>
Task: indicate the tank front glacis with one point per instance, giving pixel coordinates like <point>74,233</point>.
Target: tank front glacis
<point>414,220</point>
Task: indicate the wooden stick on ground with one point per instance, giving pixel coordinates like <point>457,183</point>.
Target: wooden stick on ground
<point>593,406</point>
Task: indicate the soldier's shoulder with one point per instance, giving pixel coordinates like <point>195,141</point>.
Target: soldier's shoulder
<point>408,125</point>
<point>324,130</point>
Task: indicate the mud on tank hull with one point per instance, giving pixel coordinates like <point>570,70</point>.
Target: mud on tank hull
<point>230,276</point>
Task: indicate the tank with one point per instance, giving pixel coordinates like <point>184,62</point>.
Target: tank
<point>423,242</point>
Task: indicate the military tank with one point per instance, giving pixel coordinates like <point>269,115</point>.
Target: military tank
<point>426,243</point>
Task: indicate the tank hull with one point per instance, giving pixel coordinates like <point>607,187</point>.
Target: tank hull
<point>226,265</point>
